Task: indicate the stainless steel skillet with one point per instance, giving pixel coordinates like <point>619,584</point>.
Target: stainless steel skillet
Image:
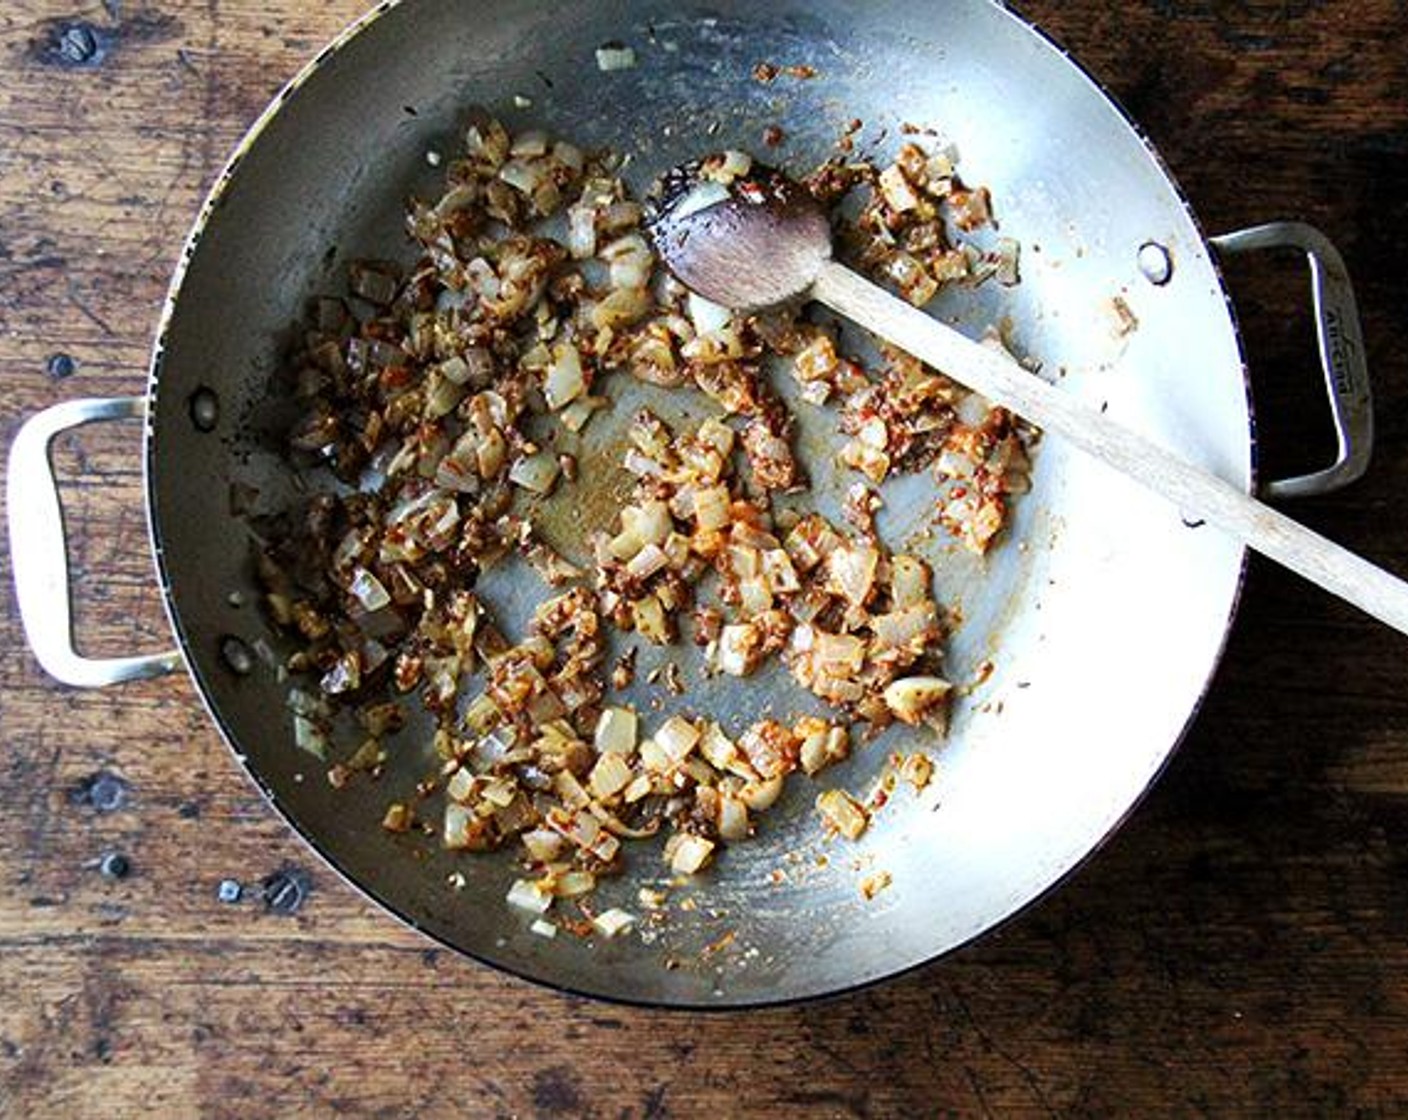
<point>1102,618</point>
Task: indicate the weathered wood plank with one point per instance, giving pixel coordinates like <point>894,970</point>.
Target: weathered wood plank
<point>1239,947</point>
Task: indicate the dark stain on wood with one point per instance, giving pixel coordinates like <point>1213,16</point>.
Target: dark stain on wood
<point>556,1091</point>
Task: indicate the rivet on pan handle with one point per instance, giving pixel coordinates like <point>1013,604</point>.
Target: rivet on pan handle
<point>1341,352</point>
<point>40,557</point>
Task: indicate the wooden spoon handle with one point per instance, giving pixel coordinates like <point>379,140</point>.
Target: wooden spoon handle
<point>1195,491</point>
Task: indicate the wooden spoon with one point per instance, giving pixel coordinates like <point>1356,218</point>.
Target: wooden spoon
<point>763,241</point>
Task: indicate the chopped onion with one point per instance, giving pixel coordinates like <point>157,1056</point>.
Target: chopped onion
<point>614,56</point>
<point>912,698</point>
<point>614,922</point>
<point>616,730</point>
<point>581,231</point>
<point>527,895</point>
<point>543,844</point>
<point>536,473</point>
<point>688,853</point>
<point>677,737</point>
<point>716,747</point>
<point>564,382</point>
<point>609,776</point>
<point>711,507</point>
<point>843,813</point>
<point>308,736</point>
<point>623,307</point>
<point>463,828</point>
<point>530,144</point>
<point>368,591</point>
<point>850,572</point>
<point>649,560</point>
<point>575,415</point>
<point>762,794</point>
<point>733,819</point>
<point>706,315</point>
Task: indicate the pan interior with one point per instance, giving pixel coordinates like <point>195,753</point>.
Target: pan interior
<point>1102,615</point>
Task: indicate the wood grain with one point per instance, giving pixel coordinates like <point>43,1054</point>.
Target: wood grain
<point>1241,946</point>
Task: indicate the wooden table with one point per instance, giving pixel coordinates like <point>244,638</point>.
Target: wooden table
<point>1240,946</point>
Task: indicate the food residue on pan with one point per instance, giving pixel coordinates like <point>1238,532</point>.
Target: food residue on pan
<point>768,72</point>
<point>440,410</point>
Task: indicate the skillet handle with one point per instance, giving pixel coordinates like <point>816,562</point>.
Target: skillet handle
<point>39,553</point>
<point>1341,344</point>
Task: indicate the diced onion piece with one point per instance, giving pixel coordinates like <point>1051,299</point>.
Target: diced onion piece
<point>620,215</point>
<point>677,737</point>
<point>909,581</point>
<point>565,381</point>
<point>610,775</point>
<point>654,758</point>
<point>717,748</point>
<point>770,748</point>
<point>711,507</point>
<point>651,520</point>
<point>717,435</point>
<point>648,618</point>
<point>543,928</point>
<point>530,144</point>
<point>762,794</point>
<point>308,736</point>
<point>872,463</point>
<point>535,473</point>
<point>616,731</point>
<point>614,922</point>
<point>572,792</point>
<point>850,572</point>
<point>647,562</point>
<point>688,853</point>
<point>843,813</point>
<point>917,769</point>
<point>874,883</point>
<point>461,785</point>
<point>543,844</point>
<point>463,828</point>
<point>368,591</point>
<point>733,818</point>
<point>910,699</point>
<point>614,56</point>
<point>780,574</point>
<point>896,191</point>
<point>906,628</point>
<point>575,415</point>
<point>581,231</point>
<point>527,895</point>
<point>822,744</point>
<point>569,884</point>
<point>1008,255</point>
<point>623,307</point>
<point>706,315</point>
<point>398,818</point>
<point>522,175</point>
<point>754,595</point>
<point>738,649</point>
<point>726,167</point>
<point>838,655</point>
